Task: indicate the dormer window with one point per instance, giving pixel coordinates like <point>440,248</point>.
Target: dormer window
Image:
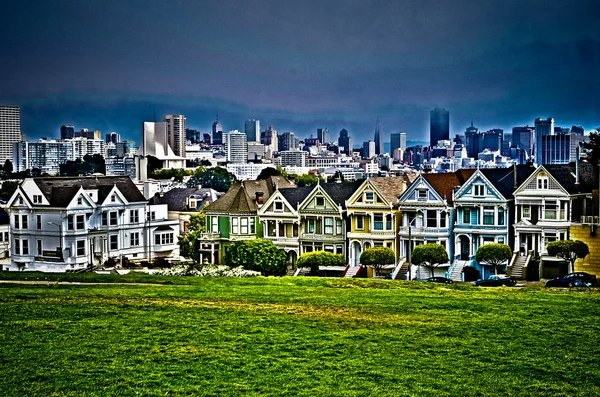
<point>542,183</point>
<point>20,200</point>
<point>37,198</point>
<point>320,202</point>
<point>113,198</point>
<point>79,200</point>
<point>479,190</point>
<point>422,194</point>
<point>192,203</point>
<point>369,197</point>
<point>279,206</point>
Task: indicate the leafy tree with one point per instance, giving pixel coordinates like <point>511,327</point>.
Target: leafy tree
<point>177,174</point>
<point>8,188</point>
<point>378,257</point>
<point>8,167</point>
<point>316,259</point>
<point>188,242</point>
<point>153,164</point>
<point>267,172</point>
<point>496,255</point>
<point>593,147</point>
<point>86,166</point>
<point>259,255</point>
<point>430,256</point>
<point>306,180</point>
<point>215,178</point>
<point>569,250</point>
<point>97,162</point>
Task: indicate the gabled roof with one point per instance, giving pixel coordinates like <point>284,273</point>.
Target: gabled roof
<point>294,196</point>
<point>340,192</point>
<point>444,183</point>
<point>177,198</point>
<point>61,190</point>
<point>565,175</point>
<point>391,187</point>
<point>241,197</point>
<point>503,178</point>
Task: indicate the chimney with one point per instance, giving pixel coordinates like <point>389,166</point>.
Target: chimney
<point>260,198</point>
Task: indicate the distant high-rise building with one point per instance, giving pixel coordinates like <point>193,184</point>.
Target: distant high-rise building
<point>10,131</point>
<point>492,139</point>
<point>577,130</point>
<point>193,136</point>
<point>67,132</point>
<point>87,134</point>
<point>403,140</point>
<point>269,138</point>
<point>369,150</point>
<point>236,147</point>
<point>294,158</point>
<point>378,139</point>
<point>217,133</point>
<point>323,135</point>
<point>522,138</point>
<point>473,141</point>
<point>287,141</point>
<point>542,128</point>
<point>395,141</point>
<point>113,137</point>
<point>439,126</point>
<point>345,141</point>
<point>176,133</point>
<point>252,129</point>
<point>207,138</point>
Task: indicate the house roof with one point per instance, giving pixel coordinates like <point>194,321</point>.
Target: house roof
<point>294,196</point>
<point>503,178</point>
<point>391,187</point>
<point>241,197</point>
<point>61,190</point>
<point>565,175</point>
<point>444,183</point>
<point>177,199</point>
<point>340,192</point>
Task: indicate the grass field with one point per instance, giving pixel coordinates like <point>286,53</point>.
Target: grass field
<point>294,336</point>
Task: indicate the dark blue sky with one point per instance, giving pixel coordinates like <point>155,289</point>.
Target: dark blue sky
<point>300,65</point>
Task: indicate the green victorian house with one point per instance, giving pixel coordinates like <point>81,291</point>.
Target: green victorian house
<point>234,217</point>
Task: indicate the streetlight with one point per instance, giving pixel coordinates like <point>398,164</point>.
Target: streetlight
<point>409,244</point>
<point>59,237</point>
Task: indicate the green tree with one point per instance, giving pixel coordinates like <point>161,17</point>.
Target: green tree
<point>316,259</point>
<point>259,255</point>
<point>8,188</point>
<point>306,180</point>
<point>496,255</point>
<point>569,250</point>
<point>267,172</point>
<point>188,242</point>
<point>215,178</point>
<point>378,257</point>
<point>430,256</point>
<point>593,148</point>
<point>8,167</point>
<point>177,174</point>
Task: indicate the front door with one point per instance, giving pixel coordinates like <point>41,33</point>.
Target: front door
<point>464,248</point>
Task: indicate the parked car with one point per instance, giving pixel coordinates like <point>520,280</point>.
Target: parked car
<point>496,281</point>
<point>442,280</point>
<point>577,279</point>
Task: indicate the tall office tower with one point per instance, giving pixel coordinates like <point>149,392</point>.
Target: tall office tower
<point>439,126</point>
<point>10,131</point>
<point>394,142</point>
<point>472,137</point>
<point>113,137</point>
<point>403,140</point>
<point>577,130</point>
<point>287,141</point>
<point>323,135</point>
<point>217,132</point>
<point>236,147</point>
<point>269,138</point>
<point>252,129</point>
<point>193,136</point>
<point>522,137</point>
<point>87,134</point>
<point>176,133</point>
<point>378,139</point>
<point>560,148</point>
<point>345,142</point>
<point>207,138</point>
<point>492,139</point>
<point>542,128</point>
<point>67,132</point>
<point>369,150</point>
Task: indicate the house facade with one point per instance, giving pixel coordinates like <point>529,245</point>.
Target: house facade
<point>65,224</point>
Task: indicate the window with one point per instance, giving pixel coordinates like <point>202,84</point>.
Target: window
<point>422,194</point>
<point>235,225</point>
<point>5,236</point>
<point>134,239</point>
<point>378,222</point>
<point>318,225</point>
<point>388,222</point>
<point>114,242</point>
<point>431,218</point>
<point>320,202</point>
<point>104,219</point>
<point>500,216</point>
<point>271,228</point>
<point>339,249</point>
<point>278,206</point>
<point>40,248</point>
<point>500,240</point>
<point>113,218</point>
<point>151,216</point>
<point>80,247</point>
<point>369,197</point>
<point>79,202</point>
<point>38,222</point>
<point>20,200</point>
<point>329,248</point>
<point>542,183</point>
<point>163,238</point>
<point>467,215</point>
<point>338,226</point>
<point>295,230</point>
<point>526,211</point>
<point>442,220</point>
<point>192,203</point>
<point>281,229</point>
<point>311,225</point>
<point>488,215</point>
<point>550,211</point>
<point>17,222</point>
<point>113,198</point>
<point>134,216</point>
<point>17,246</point>
<point>37,199</point>
<point>214,224</point>
<point>329,227</point>
<point>244,225</point>
<point>479,190</point>
<point>360,225</point>
<point>252,228</point>
<point>70,224</point>
<point>25,247</point>
<point>80,222</point>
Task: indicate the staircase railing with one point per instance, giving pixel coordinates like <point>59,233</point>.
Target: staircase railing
<point>397,269</point>
<point>455,260</point>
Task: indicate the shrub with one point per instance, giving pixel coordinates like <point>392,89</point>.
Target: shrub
<point>259,254</point>
<point>496,255</point>
<point>430,256</point>
<point>316,259</point>
<point>533,270</point>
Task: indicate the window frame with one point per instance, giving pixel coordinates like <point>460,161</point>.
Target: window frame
<point>80,245</point>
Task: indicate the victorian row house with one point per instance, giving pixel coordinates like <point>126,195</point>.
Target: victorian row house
<point>66,224</point>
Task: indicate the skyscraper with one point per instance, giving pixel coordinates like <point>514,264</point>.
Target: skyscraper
<point>522,137</point>
<point>113,137</point>
<point>193,136</point>
<point>67,132</point>
<point>323,135</point>
<point>269,138</point>
<point>473,141</point>
<point>236,147</point>
<point>378,139</point>
<point>492,139</point>
<point>542,128</point>
<point>439,126</point>
<point>395,142</point>
<point>403,140</point>
<point>176,133</point>
<point>252,130</point>
<point>10,130</point>
<point>344,141</point>
<point>217,132</point>
<point>287,141</point>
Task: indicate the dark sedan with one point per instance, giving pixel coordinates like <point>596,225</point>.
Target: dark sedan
<point>577,279</point>
<point>442,280</point>
<point>496,281</point>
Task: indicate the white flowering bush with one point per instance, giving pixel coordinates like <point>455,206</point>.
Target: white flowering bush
<point>208,271</point>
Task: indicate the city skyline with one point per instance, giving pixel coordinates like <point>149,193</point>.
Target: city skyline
<point>309,66</point>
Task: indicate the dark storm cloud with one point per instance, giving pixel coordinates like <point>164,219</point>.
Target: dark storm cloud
<point>300,65</point>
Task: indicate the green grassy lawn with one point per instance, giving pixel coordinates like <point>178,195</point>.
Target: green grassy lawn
<point>294,336</point>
